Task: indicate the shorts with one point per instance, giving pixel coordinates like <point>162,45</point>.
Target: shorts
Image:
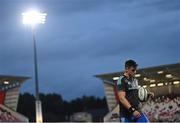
<point>132,118</point>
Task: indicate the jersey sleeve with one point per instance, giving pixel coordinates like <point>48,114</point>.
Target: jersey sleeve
<point>121,84</point>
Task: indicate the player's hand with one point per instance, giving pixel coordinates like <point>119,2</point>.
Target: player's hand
<point>151,94</point>
<point>136,114</point>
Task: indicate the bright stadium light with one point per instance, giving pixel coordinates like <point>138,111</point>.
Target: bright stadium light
<point>169,76</point>
<point>33,18</point>
<point>160,72</point>
<point>152,85</point>
<point>176,82</point>
<point>152,80</point>
<point>160,84</point>
<point>144,86</point>
<point>6,82</point>
<point>146,79</point>
<point>115,78</point>
<point>137,75</point>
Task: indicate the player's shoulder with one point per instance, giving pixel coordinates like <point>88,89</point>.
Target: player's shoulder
<point>121,79</point>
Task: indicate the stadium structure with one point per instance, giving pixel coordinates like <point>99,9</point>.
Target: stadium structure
<point>162,80</point>
<point>9,94</point>
<point>81,117</point>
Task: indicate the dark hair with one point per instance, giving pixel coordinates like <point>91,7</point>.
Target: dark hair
<point>130,63</point>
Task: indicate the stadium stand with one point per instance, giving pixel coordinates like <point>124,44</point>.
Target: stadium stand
<point>163,108</point>
<point>8,115</point>
<point>9,94</point>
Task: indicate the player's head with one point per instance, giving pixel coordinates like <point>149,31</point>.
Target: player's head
<point>131,67</point>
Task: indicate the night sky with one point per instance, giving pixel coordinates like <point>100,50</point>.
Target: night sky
<point>83,38</point>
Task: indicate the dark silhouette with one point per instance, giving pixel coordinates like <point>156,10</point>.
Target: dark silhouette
<point>56,109</point>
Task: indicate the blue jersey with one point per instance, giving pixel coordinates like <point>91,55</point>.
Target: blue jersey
<point>130,87</point>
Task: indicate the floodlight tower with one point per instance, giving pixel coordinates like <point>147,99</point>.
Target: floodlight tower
<point>33,18</point>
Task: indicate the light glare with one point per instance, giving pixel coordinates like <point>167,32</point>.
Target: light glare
<point>176,82</point>
<point>160,72</point>
<point>160,84</point>
<point>151,81</point>
<point>144,86</point>
<point>33,17</point>
<point>6,82</point>
<point>169,76</point>
<point>137,75</point>
<point>152,85</point>
<point>115,78</point>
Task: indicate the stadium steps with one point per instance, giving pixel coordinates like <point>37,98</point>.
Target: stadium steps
<point>110,97</point>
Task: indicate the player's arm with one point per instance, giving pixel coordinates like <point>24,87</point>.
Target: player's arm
<point>121,85</point>
<point>127,105</point>
<point>123,100</point>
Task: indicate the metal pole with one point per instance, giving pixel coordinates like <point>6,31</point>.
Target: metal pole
<point>38,102</point>
<point>35,65</point>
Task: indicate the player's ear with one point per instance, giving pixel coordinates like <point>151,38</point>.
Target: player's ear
<point>126,70</point>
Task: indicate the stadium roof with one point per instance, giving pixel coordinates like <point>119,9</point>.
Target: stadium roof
<point>12,78</point>
<point>152,75</point>
<point>8,82</point>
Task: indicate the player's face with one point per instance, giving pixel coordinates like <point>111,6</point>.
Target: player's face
<point>131,71</point>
